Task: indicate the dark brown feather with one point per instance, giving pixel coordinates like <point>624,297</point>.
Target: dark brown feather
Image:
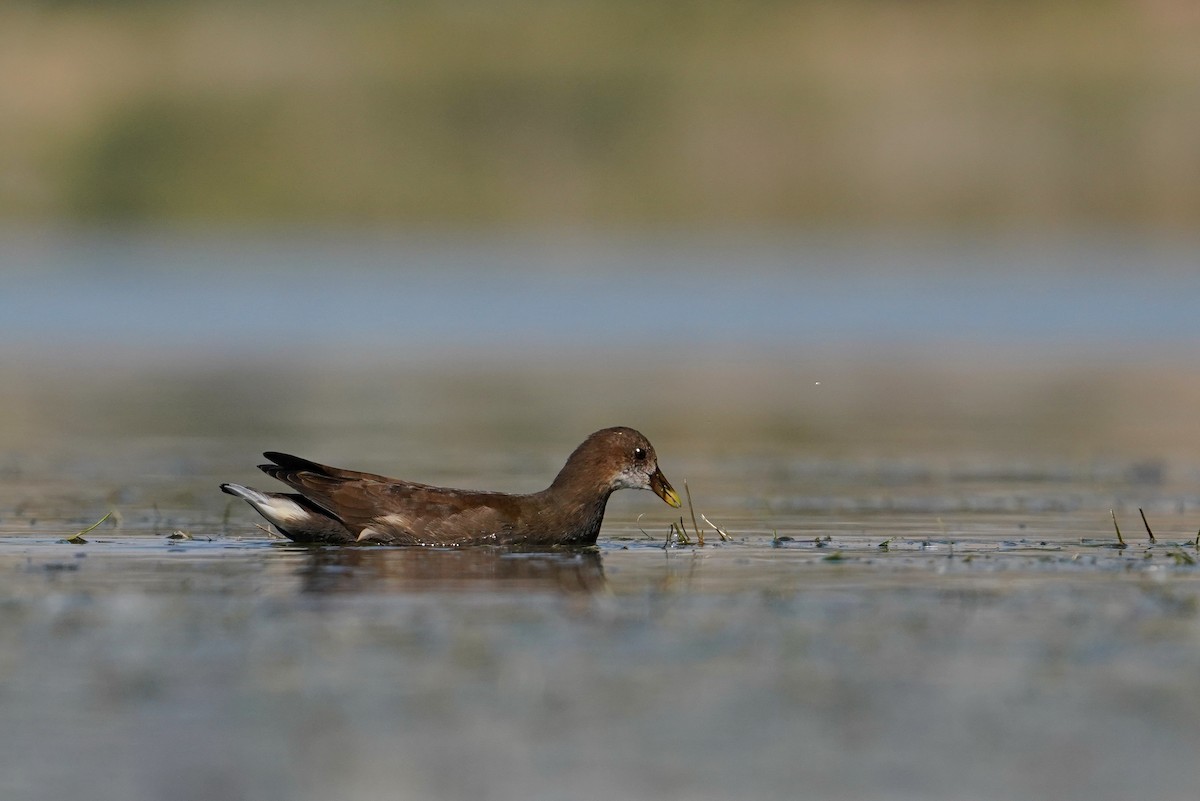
<point>378,509</point>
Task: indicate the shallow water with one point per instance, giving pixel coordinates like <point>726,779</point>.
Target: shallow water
<point>242,668</point>
<point>896,616</point>
<point>921,598</point>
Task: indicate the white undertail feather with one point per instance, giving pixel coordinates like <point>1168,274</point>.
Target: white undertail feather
<point>367,534</point>
<point>276,508</point>
<point>245,493</point>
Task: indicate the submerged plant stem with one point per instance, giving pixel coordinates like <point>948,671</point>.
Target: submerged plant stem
<point>1120,539</point>
<point>692,510</point>
<point>1147,525</point>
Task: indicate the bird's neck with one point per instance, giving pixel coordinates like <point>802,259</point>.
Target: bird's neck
<point>576,509</point>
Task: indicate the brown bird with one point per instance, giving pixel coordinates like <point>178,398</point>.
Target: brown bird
<point>337,506</point>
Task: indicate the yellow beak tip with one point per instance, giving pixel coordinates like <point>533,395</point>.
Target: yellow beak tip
<point>672,498</point>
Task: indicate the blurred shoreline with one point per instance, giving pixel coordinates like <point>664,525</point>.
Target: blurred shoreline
<point>1000,116</point>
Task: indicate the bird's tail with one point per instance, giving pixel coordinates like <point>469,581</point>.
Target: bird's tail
<point>250,494</point>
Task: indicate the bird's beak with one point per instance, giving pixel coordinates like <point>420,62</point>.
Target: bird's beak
<point>663,489</point>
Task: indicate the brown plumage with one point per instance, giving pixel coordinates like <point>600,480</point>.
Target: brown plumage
<point>337,506</point>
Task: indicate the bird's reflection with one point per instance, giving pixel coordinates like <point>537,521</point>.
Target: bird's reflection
<point>333,570</point>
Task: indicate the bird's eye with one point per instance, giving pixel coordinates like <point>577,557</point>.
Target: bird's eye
<point>639,454</point>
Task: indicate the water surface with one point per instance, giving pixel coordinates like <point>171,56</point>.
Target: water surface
<point>922,597</point>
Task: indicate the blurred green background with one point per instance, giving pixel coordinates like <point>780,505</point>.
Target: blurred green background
<point>983,113</point>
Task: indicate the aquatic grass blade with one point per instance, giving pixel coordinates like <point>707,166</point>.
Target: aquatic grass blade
<point>77,538</point>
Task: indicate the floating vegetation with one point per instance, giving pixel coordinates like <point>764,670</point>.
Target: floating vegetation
<point>677,532</point>
<point>1092,542</point>
<point>78,539</point>
<point>639,525</point>
<point>181,535</point>
<point>725,537</point>
<point>1042,545</point>
<point>1182,558</point>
